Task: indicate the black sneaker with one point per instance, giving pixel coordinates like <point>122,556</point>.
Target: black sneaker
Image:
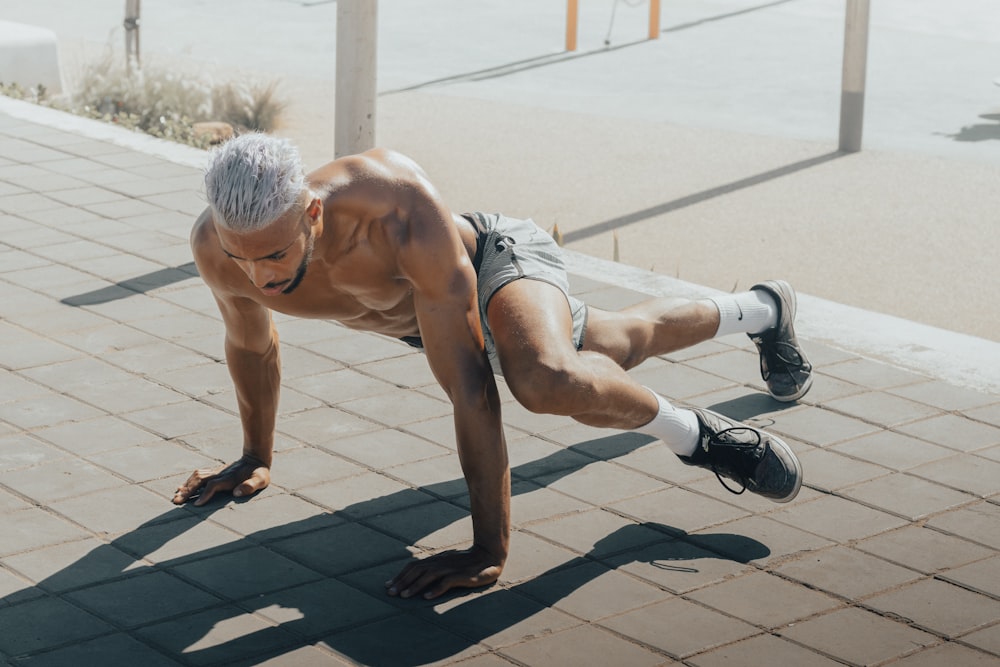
<point>755,460</point>
<point>783,364</point>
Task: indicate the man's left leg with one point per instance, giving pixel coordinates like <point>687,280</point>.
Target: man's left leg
<point>766,313</point>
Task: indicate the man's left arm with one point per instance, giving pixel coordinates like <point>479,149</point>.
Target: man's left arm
<point>445,297</point>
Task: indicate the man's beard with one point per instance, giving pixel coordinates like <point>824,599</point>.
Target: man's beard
<point>300,273</point>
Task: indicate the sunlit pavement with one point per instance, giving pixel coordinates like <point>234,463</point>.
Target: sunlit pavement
<point>114,388</point>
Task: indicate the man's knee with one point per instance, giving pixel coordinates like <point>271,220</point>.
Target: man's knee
<point>545,387</point>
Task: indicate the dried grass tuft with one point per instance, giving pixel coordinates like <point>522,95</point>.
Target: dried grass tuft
<point>162,102</point>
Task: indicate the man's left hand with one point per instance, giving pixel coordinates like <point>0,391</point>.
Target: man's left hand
<point>436,574</point>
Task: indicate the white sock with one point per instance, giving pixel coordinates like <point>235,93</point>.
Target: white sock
<point>747,312</point>
<point>676,427</point>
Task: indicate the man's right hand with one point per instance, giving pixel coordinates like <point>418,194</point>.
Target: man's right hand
<point>244,477</point>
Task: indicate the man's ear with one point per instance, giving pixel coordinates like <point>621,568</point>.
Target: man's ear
<point>315,209</point>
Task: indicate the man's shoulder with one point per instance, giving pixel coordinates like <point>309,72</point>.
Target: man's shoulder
<point>382,156</point>
<point>375,165</point>
<point>206,250</point>
<point>202,232</point>
<point>381,184</point>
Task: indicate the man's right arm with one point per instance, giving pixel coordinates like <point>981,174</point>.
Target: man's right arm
<point>254,364</point>
<point>253,359</point>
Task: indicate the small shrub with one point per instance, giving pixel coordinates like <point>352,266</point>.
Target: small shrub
<point>161,102</point>
<point>253,107</point>
<point>37,94</point>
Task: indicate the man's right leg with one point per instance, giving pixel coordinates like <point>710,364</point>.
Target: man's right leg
<point>531,327</point>
<point>729,448</point>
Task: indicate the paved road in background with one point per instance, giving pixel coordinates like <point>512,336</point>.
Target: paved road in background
<point>710,151</point>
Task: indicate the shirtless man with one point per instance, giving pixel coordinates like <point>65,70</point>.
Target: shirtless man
<point>367,240</point>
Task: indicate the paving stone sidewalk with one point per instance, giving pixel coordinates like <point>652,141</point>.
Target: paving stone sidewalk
<point>114,388</point>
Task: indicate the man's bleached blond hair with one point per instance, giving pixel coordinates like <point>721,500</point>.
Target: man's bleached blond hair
<point>252,180</point>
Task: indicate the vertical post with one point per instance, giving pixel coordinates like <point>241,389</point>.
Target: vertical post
<point>852,92</point>
<point>654,19</point>
<point>354,108</point>
<point>572,16</point>
<point>132,34</point>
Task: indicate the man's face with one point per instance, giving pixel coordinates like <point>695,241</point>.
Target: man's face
<point>276,257</point>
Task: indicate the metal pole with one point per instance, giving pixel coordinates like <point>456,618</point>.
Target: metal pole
<point>852,92</point>
<point>572,17</point>
<point>132,8</point>
<point>357,32</point>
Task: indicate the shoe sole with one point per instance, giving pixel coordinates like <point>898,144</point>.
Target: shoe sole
<point>780,288</point>
<point>797,395</point>
<point>798,469</point>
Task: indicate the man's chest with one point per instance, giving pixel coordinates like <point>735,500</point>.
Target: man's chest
<point>367,297</point>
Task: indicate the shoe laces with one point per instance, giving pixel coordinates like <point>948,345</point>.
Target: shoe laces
<point>781,355</point>
<point>717,441</point>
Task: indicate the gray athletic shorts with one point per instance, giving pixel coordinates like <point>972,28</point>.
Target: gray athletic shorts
<point>510,249</point>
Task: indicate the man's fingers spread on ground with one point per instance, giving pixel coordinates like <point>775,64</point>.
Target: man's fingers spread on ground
<point>443,586</point>
<point>392,586</point>
<point>185,491</point>
<point>197,478</point>
<point>401,583</point>
<point>422,582</point>
<point>206,494</point>
<point>191,486</point>
<point>403,580</point>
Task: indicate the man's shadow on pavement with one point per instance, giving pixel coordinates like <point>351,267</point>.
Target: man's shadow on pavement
<point>344,606</point>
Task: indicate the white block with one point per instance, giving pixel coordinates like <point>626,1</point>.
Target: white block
<point>29,56</point>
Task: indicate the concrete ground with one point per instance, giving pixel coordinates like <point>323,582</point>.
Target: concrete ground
<point>113,385</point>
<point>114,388</point>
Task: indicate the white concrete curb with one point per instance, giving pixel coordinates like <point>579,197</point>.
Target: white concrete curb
<point>101,131</point>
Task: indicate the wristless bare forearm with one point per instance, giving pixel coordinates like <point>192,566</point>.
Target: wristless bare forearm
<point>487,474</point>
<point>257,380</point>
<point>491,514</point>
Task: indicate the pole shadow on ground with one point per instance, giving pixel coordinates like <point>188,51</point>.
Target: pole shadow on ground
<point>132,286</point>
